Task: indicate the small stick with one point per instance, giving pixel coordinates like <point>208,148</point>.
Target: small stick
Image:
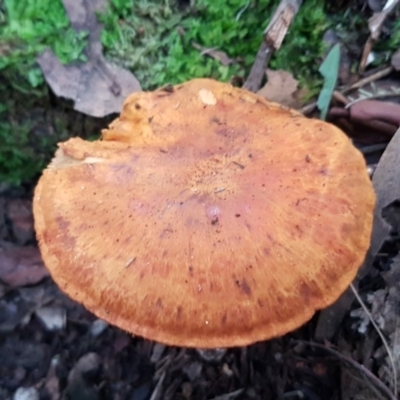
<point>354,364</point>
<point>374,97</point>
<point>340,97</point>
<point>384,341</point>
<point>273,38</point>
<point>362,82</point>
<point>374,77</point>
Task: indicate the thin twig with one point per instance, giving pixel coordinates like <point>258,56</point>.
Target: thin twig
<point>273,37</point>
<point>373,378</point>
<point>362,82</point>
<point>157,390</point>
<point>340,97</point>
<point>384,341</point>
<point>254,80</point>
<point>375,24</point>
<point>373,97</point>
<point>372,78</point>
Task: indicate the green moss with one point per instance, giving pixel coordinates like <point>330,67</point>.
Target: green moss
<point>155,39</point>
<point>27,28</point>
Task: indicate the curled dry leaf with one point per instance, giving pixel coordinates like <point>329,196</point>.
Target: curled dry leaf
<point>281,88</point>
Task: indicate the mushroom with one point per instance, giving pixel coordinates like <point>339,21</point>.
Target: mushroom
<point>205,217</point>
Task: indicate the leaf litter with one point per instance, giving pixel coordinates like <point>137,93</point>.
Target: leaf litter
<point>97,87</point>
<point>281,87</point>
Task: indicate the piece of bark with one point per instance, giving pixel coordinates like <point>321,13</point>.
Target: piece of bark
<point>382,116</point>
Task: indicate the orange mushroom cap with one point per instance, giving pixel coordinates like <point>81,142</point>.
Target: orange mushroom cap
<point>205,217</point>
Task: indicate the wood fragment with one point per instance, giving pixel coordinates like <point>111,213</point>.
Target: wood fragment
<point>273,38</point>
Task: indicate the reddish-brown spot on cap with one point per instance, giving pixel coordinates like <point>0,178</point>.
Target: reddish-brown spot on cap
<point>169,229</point>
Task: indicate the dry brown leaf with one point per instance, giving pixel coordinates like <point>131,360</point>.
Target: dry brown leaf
<point>386,182</point>
<point>97,87</point>
<point>21,266</point>
<point>85,84</point>
<point>395,61</point>
<point>280,87</point>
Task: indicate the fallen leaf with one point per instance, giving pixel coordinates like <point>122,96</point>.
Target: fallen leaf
<point>329,69</point>
<point>19,213</point>
<point>97,87</point>
<point>21,266</point>
<point>280,88</point>
<point>386,182</point>
<point>395,61</point>
<point>86,86</point>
